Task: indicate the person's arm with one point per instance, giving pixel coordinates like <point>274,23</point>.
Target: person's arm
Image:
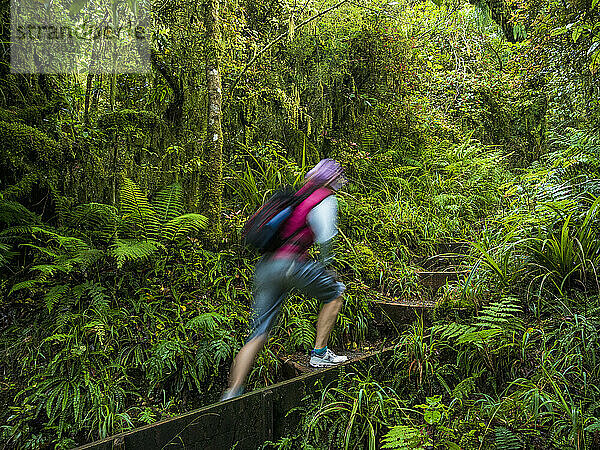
<point>323,222</point>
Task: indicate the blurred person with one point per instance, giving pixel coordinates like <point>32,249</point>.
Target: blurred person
<point>313,220</point>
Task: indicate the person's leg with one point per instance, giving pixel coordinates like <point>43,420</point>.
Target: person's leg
<point>243,361</point>
<point>268,295</point>
<point>313,280</point>
<point>326,321</point>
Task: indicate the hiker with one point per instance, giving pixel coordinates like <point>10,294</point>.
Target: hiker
<point>313,220</point>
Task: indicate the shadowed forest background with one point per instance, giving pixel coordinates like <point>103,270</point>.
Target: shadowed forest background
<point>125,290</point>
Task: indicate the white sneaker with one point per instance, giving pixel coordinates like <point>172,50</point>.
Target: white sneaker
<point>231,393</point>
<point>327,359</point>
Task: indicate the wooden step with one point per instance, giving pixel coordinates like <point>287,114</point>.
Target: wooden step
<point>435,280</point>
<point>404,312</point>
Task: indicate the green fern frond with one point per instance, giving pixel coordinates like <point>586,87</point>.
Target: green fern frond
<point>43,250</point>
<point>478,338</point>
<point>28,284</point>
<point>54,295</point>
<point>6,254</point>
<point>501,315</point>
<point>163,359</point>
<point>137,212</point>
<point>49,270</point>
<point>15,213</point>
<point>221,349</point>
<point>507,440</point>
<point>404,438</point>
<point>203,360</point>
<point>369,140</point>
<point>168,203</point>
<point>453,330</point>
<point>302,332</point>
<point>87,258</point>
<point>465,387</point>
<point>207,322</point>
<point>71,244</point>
<point>97,294</point>
<point>133,250</point>
<point>183,225</point>
<point>96,217</point>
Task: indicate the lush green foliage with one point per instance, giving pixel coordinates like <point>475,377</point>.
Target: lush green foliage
<point>455,121</point>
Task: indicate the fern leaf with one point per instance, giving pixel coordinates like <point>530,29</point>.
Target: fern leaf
<point>133,250</point>
<point>15,213</point>
<point>6,254</point>
<point>501,315</point>
<point>96,217</point>
<point>137,212</point>
<point>54,295</point>
<point>221,349</point>
<point>479,338</point>
<point>51,269</point>
<point>404,437</point>
<point>464,388</point>
<point>507,440</point>
<point>168,203</point>
<point>182,225</point>
<point>207,322</point>
<point>303,333</point>
<point>453,330</point>
<point>87,258</point>
<point>28,284</point>
<point>97,294</point>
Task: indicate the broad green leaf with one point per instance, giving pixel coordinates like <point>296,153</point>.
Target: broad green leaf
<point>432,417</point>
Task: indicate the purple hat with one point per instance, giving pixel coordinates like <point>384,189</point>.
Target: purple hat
<point>326,171</point>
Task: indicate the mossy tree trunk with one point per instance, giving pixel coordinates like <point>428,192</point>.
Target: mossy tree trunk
<point>214,132</point>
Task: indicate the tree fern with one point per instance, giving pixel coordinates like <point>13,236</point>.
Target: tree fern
<point>97,218</point>
<point>183,225</point>
<point>168,203</point>
<point>125,250</point>
<point>137,212</point>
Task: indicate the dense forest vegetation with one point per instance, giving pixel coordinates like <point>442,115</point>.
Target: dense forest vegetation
<point>125,291</point>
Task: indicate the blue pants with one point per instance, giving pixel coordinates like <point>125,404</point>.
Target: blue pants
<point>274,278</point>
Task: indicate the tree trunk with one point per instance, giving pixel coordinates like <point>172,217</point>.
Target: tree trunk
<point>214,133</point>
